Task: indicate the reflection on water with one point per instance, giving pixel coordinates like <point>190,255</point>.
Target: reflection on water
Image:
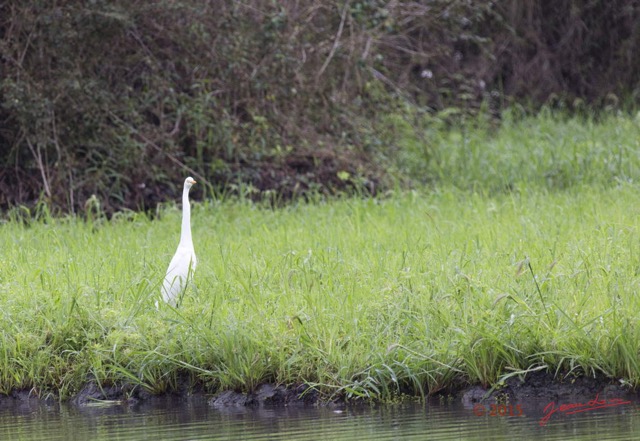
<point>193,419</point>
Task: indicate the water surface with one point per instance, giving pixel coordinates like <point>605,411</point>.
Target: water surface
<point>195,420</point>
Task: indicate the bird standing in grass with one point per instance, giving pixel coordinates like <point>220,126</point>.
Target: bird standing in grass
<point>183,264</point>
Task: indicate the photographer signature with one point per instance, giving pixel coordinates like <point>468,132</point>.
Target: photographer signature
<point>570,409</point>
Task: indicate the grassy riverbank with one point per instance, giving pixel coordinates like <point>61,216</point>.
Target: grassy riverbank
<point>495,270</point>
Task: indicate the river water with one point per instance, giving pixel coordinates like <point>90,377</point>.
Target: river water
<point>195,420</point>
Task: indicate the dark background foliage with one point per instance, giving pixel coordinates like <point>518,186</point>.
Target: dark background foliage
<point>122,99</point>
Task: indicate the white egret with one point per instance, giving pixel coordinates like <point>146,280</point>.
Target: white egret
<point>183,264</point>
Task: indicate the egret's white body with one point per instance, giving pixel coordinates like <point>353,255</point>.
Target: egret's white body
<point>183,264</point>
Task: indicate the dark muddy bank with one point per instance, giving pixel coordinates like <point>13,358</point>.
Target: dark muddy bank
<point>543,387</point>
<point>538,387</point>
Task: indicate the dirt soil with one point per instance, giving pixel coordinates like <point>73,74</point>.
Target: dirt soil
<point>539,387</point>
<point>543,387</point>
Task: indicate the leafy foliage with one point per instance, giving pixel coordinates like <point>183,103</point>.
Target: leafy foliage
<point>120,99</point>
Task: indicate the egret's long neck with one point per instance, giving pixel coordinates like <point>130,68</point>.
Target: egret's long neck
<point>185,234</point>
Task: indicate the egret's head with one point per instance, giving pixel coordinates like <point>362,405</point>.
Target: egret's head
<point>189,182</point>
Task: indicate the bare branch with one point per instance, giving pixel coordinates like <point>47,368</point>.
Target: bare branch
<point>336,41</point>
<point>38,157</point>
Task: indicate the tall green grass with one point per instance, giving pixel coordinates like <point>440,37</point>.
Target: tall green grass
<point>548,150</point>
<point>373,298</point>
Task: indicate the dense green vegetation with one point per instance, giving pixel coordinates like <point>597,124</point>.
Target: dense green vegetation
<point>445,223</point>
<point>521,255</point>
<point>121,98</point>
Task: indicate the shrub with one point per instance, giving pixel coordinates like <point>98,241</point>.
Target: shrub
<point>121,99</point>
